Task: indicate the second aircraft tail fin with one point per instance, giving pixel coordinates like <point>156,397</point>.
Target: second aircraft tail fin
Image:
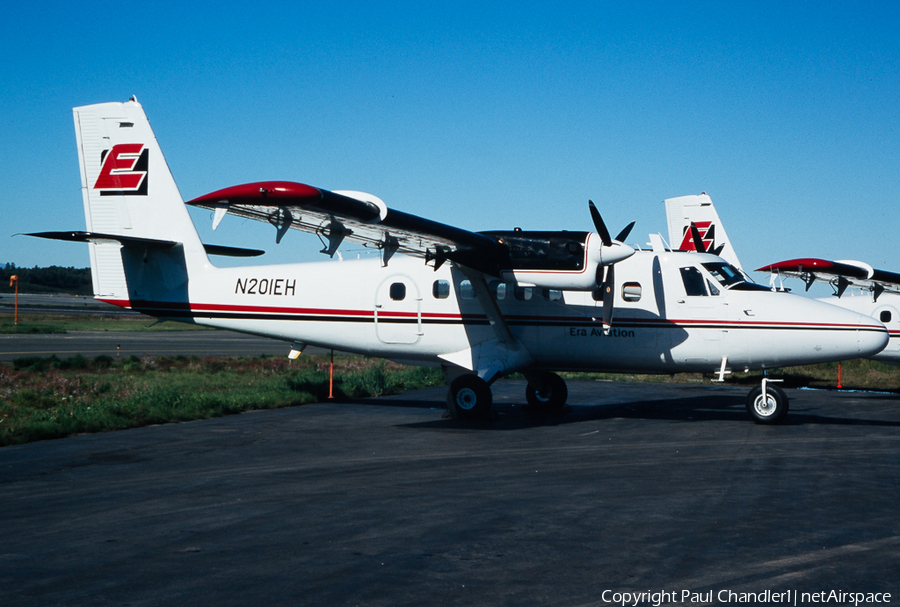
<point>699,210</point>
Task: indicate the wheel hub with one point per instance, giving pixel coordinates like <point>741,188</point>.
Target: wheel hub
<point>765,406</point>
<point>466,399</point>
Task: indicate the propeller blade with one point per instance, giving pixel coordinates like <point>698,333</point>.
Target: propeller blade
<point>609,286</point>
<point>625,232</point>
<point>698,241</point>
<point>599,225</point>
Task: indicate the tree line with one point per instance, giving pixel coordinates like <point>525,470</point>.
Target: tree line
<point>54,279</point>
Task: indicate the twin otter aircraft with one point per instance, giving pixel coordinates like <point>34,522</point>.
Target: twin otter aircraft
<point>478,305</point>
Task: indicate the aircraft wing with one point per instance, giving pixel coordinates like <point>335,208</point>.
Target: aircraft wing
<point>840,274</point>
<point>357,217</point>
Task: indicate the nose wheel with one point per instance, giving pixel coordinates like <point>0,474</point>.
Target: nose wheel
<point>767,404</point>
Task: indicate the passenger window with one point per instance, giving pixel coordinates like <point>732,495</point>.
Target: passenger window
<point>554,295</point>
<point>694,284</point>
<point>466,290</point>
<point>523,293</point>
<point>499,289</point>
<point>631,291</point>
<point>440,289</point>
<point>885,316</point>
<point>398,291</point>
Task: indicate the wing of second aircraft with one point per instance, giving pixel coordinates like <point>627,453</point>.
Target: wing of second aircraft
<point>839,274</point>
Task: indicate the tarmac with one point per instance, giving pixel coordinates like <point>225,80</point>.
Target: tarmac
<point>638,488</point>
<point>122,344</point>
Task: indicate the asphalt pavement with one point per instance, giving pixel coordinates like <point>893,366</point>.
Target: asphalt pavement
<point>147,343</point>
<point>638,488</point>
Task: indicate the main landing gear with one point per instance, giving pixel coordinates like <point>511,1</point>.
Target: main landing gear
<point>469,396</point>
<point>546,393</point>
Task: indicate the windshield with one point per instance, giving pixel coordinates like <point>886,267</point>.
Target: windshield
<point>726,274</point>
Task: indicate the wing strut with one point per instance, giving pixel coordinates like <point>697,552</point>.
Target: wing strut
<point>489,304</point>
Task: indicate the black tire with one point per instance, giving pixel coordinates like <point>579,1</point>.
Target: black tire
<point>546,393</point>
<point>469,397</point>
<point>770,412</point>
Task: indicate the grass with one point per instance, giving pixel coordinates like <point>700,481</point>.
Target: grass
<point>42,398</point>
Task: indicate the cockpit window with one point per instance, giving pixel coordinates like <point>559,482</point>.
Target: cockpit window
<point>731,278</point>
<point>694,283</point>
<point>726,274</point>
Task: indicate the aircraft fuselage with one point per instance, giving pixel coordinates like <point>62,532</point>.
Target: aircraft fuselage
<point>409,312</point>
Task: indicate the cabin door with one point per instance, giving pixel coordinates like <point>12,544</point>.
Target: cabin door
<point>398,311</point>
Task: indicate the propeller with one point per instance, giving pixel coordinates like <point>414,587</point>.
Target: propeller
<point>698,240</point>
<point>621,236</point>
<point>608,290</point>
<point>612,251</point>
<point>599,225</point>
<point>699,244</point>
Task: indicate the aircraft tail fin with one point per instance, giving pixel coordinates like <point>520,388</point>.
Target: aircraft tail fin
<point>141,237</point>
<point>699,210</point>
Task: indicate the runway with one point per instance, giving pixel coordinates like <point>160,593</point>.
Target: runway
<point>126,343</point>
<point>640,487</point>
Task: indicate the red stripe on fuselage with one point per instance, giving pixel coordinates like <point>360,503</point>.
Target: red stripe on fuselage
<point>334,313</point>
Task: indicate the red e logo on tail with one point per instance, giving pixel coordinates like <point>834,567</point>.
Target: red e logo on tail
<point>124,170</point>
<point>707,234</point>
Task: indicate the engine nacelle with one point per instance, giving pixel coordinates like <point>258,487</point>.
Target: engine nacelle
<point>566,261</point>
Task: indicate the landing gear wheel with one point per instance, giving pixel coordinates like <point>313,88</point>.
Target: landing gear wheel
<point>770,410</point>
<point>546,393</point>
<point>469,397</point>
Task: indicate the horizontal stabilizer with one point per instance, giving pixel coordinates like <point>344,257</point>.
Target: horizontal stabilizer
<point>217,249</point>
<point>152,243</point>
<point>98,238</point>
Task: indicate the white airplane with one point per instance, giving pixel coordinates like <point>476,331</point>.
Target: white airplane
<point>478,305</point>
<point>857,285</point>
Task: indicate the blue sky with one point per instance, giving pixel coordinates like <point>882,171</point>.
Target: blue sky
<point>484,117</point>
